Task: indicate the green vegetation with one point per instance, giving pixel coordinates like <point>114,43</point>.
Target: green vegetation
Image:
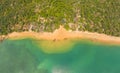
<point>101,16</point>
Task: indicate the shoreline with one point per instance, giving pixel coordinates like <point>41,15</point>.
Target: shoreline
<point>62,34</point>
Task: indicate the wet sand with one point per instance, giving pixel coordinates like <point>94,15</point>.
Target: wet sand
<point>62,34</point>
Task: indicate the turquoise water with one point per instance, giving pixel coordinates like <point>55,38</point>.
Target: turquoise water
<point>24,56</point>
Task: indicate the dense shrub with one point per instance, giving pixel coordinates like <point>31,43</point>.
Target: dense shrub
<point>101,16</point>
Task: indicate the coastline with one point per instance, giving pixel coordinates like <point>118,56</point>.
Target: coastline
<point>62,34</point>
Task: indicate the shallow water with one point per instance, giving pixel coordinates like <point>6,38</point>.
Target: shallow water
<point>26,56</point>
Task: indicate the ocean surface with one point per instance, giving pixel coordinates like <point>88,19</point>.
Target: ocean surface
<point>69,56</point>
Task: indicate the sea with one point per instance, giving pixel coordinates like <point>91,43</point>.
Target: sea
<point>54,56</point>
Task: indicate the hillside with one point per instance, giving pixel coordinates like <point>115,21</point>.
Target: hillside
<point>102,16</point>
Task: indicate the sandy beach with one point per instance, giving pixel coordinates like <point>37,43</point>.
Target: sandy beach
<point>62,34</point>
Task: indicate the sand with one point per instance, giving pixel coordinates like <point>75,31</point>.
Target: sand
<point>62,34</point>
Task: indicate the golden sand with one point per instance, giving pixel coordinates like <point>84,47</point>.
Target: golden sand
<point>62,34</point>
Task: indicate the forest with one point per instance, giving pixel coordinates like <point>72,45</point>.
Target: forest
<point>102,16</point>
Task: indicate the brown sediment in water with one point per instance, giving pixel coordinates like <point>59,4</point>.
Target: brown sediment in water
<point>2,37</point>
<point>62,34</point>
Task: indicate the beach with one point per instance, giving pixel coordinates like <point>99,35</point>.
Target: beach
<point>63,34</point>
<point>57,56</point>
<point>60,51</point>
